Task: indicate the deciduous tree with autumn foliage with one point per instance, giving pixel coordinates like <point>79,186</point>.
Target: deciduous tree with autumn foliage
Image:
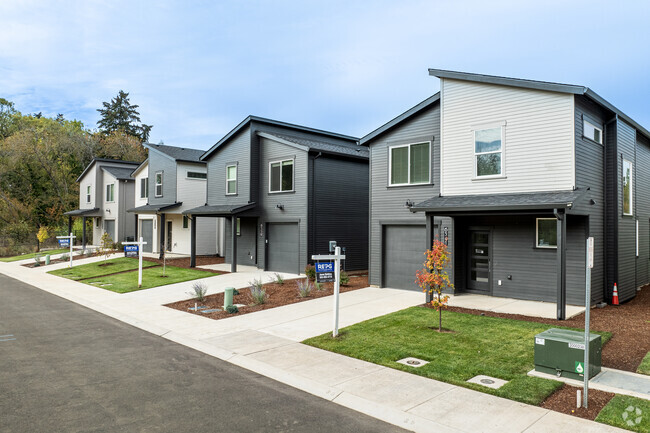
<point>433,278</point>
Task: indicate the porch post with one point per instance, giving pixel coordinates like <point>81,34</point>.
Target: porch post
<point>161,228</point>
<point>233,249</point>
<point>561,264</point>
<point>430,219</point>
<point>83,235</point>
<point>69,223</point>
<point>136,228</point>
<point>193,241</point>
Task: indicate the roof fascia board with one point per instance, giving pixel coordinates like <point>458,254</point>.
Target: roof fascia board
<point>600,100</point>
<point>491,208</point>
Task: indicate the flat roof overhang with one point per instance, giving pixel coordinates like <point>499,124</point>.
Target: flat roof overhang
<point>83,212</point>
<point>154,208</point>
<point>220,210</point>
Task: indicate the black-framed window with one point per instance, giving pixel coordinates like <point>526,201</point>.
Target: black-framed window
<point>196,175</point>
<point>110,193</point>
<point>628,204</point>
<point>546,233</point>
<point>144,187</point>
<point>186,221</point>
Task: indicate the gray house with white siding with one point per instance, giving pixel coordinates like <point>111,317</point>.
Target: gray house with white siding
<point>285,191</point>
<point>520,173</point>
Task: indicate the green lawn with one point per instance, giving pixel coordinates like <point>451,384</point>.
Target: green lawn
<point>32,255</point>
<point>644,368</point>
<point>100,268</point>
<point>627,412</point>
<point>501,348</point>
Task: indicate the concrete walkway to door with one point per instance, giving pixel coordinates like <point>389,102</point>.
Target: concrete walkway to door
<point>547,310</point>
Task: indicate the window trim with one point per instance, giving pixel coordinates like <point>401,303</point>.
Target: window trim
<point>408,163</point>
<point>144,181</point>
<point>88,194</point>
<point>293,175</point>
<point>111,187</point>
<point>235,179</point>
<point>537,245</point>
<point>631,213</point>
<point>187,175</point>
<point>502,174</point>
<point>156,184</point>
<point>585,122</point>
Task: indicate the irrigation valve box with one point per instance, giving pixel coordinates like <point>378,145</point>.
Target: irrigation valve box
<point>561,352</point>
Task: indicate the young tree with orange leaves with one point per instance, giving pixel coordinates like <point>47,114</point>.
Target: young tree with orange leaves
<point>433,278</point>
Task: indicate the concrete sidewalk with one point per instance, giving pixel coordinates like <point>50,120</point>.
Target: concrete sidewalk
<point>266,342</point>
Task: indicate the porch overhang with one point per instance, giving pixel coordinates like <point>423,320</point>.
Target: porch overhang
<point>154,208</point>
<point>225,210</point>
<point>84,212</point>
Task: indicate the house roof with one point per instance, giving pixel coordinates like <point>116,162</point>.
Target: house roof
<point>139,167</point>
<point>539,85</point>
<point>83,212</point>
<point>95,160</point>
<point>119,173</point>
<point>263,120</point>
<point>177,153</point>
<point>401,118</point>
<point>494,202</point>
<point>153,208</point>
<point>220,210</point>
<point>354,150</point>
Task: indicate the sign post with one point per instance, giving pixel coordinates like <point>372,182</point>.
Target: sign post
<point>326,268</point>
<point>65,241</point>
<point>127,250</point>
<point>590,265</point>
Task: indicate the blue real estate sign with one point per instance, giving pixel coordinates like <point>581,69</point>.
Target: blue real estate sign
<point>64,243</point>
<point>130,251</point>
<point>324,272</point>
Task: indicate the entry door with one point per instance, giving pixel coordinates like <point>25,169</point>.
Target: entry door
<point>169,236</point>
<point>146,228</point>
<point>109,227</point>
<point>478,277</point>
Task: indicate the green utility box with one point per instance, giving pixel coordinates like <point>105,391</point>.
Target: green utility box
<point>562,352</point>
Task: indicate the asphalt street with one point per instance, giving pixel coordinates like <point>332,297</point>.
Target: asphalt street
<point>65,368</point>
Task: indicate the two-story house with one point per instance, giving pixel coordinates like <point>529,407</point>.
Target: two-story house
<point>106,191</point>
<point>286,191</point>
<point>170,181</point>
<point>513,175</point>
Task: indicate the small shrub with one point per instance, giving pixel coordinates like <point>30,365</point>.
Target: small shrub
<point>37,261</point>
<point>344,278</point>
<point>257,293</point>
<point>304,288</point>
<point>232,309</point>
<point>235,292</point>
<point>199,290</point>
<point>310,271</point>
<point>319,286</point>
<point>279,279</point>
<point>65,257</point>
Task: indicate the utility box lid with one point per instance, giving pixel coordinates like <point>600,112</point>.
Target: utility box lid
<point>567,336</point>
<point>561,352</point>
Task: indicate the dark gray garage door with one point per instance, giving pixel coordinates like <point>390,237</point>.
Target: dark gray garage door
<point>146,227</point>
<point>282,247</point>
<point>403,254</point>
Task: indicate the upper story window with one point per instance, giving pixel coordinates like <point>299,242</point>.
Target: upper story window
<point>488,152</point>
<point>592,132</point>
<point>627,188</point>
<point>88,194</point>
<point>144,187</point>
<point>196,175</point>
<point>281,176</point>
<point>231,179</point>
<point>546,236</point>
<point>409,164</point>
<point>110,191</point>
<point>159,184</point>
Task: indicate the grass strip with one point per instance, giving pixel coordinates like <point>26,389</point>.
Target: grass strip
<point>151,277</point>
<point>627,412</point>
<point>101,268</point>
<point>32,255</point>
<point>644,368</point>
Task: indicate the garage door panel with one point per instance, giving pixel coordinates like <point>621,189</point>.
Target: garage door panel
<point>283,247</point>
<point>403,255</point>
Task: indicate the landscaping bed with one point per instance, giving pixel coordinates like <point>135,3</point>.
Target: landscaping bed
<point>277,295</point>
<point>184,262</point>
<point>33,255</point>
<point>564,400</point>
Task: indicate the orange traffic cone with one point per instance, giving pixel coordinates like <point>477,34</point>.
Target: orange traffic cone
<point>615,295</point>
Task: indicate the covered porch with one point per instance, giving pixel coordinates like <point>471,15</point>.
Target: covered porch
<point>84,214</point>
<point>160,211</point>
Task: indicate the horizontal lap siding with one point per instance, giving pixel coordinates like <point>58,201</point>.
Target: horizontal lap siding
<point>626,224</point>
<point>236,150</point>
<point>191,192</point>
<point>159,162</point>
<point>642,190</point>
<point>539,141</point>
<point>387,204</point>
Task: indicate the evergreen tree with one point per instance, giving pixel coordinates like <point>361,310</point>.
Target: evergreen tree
<point>120,115</point>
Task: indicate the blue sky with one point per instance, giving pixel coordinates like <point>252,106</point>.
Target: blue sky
<point>197,68</point>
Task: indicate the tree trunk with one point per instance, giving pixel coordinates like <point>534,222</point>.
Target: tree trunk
<point>439,314</point>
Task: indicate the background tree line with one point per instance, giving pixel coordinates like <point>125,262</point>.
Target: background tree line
<point>41,158</point>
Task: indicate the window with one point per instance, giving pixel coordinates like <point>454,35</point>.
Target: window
<point>110,190</point>
<point>196,175</point>
<point>546,233</point>
<point>281,176</point>
<point>88,194</point>
<point>409,164</point>
<point>159,183</point>
<point>186,221</point>
<point>488,149</point>
<point>98,222</point>
<point>238,227</point>
<point>231,179</point>
<point>144,187</point>
<point>627,188</point>
<point>591,132</point>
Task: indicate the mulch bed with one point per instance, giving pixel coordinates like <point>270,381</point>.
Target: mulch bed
<point>564,400</point>
<point>53,261</point>
<point>184,262</point>
<point>277,295</point>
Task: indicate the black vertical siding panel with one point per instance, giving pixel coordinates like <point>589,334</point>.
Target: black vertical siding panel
<point>626,224</point>
<point>643,208</point>
<point>612,209</point>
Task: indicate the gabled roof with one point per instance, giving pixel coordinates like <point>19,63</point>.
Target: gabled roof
<point>177,153</point>
<point>139,168</point>
<point>353,150</point>
<point>96,160</point>
<point>538,85</point>
<point>401,118</point>
<point>119,173</point>
<point>250,119</point>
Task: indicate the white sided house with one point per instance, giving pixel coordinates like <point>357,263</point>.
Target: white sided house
<point>106,191</point>
<point>170,181</point>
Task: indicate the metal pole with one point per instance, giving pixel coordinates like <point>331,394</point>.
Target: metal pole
<point>70,249</point>
<point>140,244</point>
<point>588,260</point>
<point>337,276</point>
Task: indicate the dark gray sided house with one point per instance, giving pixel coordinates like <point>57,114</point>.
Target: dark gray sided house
<point>287,190</point>
<point>514,175</point>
